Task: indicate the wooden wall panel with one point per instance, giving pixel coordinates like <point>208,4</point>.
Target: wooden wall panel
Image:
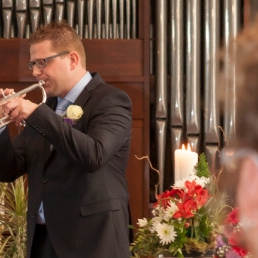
<point>136,93</point>
<point>138,189</point>
<point>115,60</point>
<point>10,63</point>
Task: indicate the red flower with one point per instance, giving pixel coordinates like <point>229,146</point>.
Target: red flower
<point>187,225</point>
<point>202,197</point>
<point>164,198</point>
<point>164,195</point>
<point>232,217</point>
<point>233,233</point>
<point>188,200</point>
<point>176,193</point>
<point>191,187</point>
<point>240,251</point>
<point>186,209</point>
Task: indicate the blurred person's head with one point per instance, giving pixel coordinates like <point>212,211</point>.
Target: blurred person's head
<point>242,153</point>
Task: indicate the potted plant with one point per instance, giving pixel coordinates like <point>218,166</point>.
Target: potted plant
<point>13,209</point>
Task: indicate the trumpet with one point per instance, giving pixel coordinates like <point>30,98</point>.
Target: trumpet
<point>6,98</point>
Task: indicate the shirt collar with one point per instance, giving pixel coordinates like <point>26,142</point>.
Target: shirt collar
<point>73,94</point>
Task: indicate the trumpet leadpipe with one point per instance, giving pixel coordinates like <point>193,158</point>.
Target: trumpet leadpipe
<point>24,91</point>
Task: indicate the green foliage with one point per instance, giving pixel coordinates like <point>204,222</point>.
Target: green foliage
<point>13,209</point>
<point>202,167</point>
<point>216,206</point>
<point>147,243</point>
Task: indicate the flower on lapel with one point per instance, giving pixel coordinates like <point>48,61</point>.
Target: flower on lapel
<point>73,113</point>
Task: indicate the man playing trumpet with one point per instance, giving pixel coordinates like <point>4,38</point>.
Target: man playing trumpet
<point>74,149</point>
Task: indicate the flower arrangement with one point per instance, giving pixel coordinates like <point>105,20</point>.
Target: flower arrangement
<point>73,113</point>
<point>181,221</point>
<point>227,243</point>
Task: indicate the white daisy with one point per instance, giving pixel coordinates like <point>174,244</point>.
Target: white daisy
<point>142,222</point>
<point>166,233</point>
<point>180,184</point>
<point>159,211</point>
<point>156,211</point>
<point>155,221</point>
<point>171,209</point>
<point>203,181</point>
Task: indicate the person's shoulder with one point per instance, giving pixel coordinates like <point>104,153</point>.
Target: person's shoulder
<point>105,90</point>
<point>104,86</point>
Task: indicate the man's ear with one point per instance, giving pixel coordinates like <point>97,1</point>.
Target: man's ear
<point>74,59</point>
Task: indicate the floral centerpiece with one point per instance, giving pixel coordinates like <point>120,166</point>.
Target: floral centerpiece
<point>181,221</point>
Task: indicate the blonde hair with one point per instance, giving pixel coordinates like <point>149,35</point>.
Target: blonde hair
<point>62,36</point>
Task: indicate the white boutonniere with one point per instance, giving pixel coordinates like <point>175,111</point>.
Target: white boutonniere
<point>73,113</point>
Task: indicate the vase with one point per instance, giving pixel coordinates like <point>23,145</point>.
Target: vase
<point>188,256</point>
<point>208,254</point>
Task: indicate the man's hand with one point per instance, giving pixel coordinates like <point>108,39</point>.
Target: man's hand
<point>3,95</point>
<point>18,109</point>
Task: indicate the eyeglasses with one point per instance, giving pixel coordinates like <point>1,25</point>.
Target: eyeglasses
<point>231,158</point>
<point>41,63</point>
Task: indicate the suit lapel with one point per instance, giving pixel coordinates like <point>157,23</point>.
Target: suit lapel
<point>86,93</point>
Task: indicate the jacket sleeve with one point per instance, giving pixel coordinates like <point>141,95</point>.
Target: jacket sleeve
<point>12,163</point>
<point>103,129</point>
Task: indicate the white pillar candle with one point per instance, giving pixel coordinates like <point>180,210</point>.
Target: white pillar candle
<point>185,161</point>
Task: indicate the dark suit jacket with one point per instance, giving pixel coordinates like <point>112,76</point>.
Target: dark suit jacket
<point>82,182</point>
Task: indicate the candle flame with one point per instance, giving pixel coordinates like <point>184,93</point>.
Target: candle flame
<point>188,147</point>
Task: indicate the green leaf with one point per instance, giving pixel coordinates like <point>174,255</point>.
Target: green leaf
<point>202,167</point>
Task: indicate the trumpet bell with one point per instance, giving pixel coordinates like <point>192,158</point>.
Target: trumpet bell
<point>8,119</point>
